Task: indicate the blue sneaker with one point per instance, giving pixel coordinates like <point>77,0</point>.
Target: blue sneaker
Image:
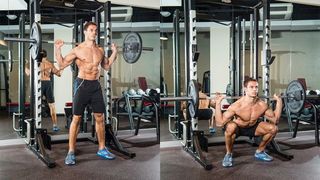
<point>227,160</point>
<point>106,154</point>
<point>212,130</point>
<point>55,128</point>
<point>263,156</point>
<point>70,159</point>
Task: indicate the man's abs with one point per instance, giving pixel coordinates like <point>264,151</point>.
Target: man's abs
<point>245,123</point>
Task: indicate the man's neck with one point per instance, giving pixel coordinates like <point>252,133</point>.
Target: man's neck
<point>250,99</point>
<point>89,43</point>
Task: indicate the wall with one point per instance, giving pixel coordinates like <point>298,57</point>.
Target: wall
<point>297,56</point>
<point>203,42</point>
<point>125,76</point>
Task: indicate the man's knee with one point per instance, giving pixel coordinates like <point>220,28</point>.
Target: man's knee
<point>76,119</point>
<point>273,129</point>
<point>98,117</point>
<point>230,129</point>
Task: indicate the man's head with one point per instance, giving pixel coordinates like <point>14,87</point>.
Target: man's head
<point>43,53</point>
<point>90,30</point>
<point>250,86</point>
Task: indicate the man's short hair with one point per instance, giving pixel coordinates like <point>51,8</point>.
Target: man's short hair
<point>247,80</point>
<point>43,53</point>
<point>85,27</point>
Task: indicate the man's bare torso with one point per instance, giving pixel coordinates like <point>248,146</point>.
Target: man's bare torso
<point>247,113</point>
<point>46,69</point>
<point>203,103</point>
<point>88,61</point>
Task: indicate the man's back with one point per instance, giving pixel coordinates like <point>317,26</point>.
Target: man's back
<point>46,69</point>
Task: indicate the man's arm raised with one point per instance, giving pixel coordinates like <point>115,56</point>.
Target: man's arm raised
<point>63,61</point>
<point>107,62</point>
<point>222,118</point>
<point>274,116</point>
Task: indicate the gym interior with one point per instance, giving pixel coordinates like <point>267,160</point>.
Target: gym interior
<point>153,121</point>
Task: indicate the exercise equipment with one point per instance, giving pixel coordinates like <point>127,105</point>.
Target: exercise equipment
<point>132,45</point>
<point>294,97</point>
<point>9,61</point>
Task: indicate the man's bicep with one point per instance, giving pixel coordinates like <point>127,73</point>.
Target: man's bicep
<point>227,115</point>
<point>269,114</point>
<point>70,58</point>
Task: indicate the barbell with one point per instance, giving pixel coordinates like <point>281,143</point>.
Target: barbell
<point>294,97</point>
<point>131,49</point>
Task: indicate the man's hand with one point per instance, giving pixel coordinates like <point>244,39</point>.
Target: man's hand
<point>114,48</point>
<point>277,98</point>
<point>212,103</point>
<point>58,43</point>
<point>218,98</point>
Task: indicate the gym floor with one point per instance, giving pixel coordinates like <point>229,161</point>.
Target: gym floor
<point>17,162</point>
<point>176,163</point>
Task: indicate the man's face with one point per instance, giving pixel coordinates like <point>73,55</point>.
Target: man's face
<point>252,89</point>
<point>91,32</point>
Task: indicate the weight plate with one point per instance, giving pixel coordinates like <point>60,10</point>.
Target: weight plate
<point>193,104</point>
<point>295,96</point>
<point>35,47</point>
<point>132,47</point>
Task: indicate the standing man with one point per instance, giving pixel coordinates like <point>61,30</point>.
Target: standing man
<point>241,118</point>
<point>89,58</point>
<point>46,70</point>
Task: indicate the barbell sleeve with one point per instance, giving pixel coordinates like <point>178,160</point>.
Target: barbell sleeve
<point>20,39</point>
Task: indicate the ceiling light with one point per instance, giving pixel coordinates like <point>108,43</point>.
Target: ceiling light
<point>68,4</point>
<point>163,36</point>
<point>165,13</point>
<point>226,1</point>
<point>11,16</point>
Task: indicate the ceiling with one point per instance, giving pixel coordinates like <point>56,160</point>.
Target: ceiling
<point>56,11</point>
<point>59,11</point>
<point>217,10</point>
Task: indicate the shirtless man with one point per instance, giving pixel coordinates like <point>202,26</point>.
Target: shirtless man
<point>204,111</point>
<point>46,69</point>
<point>89,57</point>
<point>241,118</point>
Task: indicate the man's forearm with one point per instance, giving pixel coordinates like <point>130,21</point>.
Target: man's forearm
<point>218,115</point>
<point>109,61</point>
<point>59,58</point>
<point>278,112</point>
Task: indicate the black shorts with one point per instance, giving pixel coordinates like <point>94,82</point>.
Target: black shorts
<point>87,92</point>
<point>205,114</point>
<point>249,131</point>
<point>46,90</point>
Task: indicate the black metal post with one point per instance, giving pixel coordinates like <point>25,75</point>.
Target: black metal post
<point>22,124</point>
<point>177,87</point>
